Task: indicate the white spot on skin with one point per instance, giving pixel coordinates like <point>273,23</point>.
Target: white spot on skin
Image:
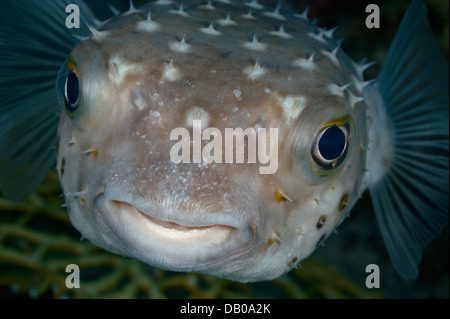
<point>260,123</point>
<point>118,69</point>
<point>255,45</point>
<point>171,73</point>
<point>292,106</point>
<point>275,14</point>
<point>138,99</point>
<point>181,46</point>
<point>282,33</point>
<point>155,119</point>
<point>237,93</point>
<point>148,25</point>
<point>306,63</point>
<point>197,113</point>
<point>210,30</point>
<point>249,15</point>
<point>254,72</point>
<point>154,96</point>
<point>226,21</point>
<point>180,11</point>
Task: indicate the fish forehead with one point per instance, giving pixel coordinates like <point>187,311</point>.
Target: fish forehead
<point>219,55</point>
<point>235,71</point>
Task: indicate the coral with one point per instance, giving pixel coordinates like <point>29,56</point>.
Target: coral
<point>38,242</point>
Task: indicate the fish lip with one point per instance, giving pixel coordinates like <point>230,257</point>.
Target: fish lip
<point>170,224</point>
<point>166,215</point>
<point>172,244</point>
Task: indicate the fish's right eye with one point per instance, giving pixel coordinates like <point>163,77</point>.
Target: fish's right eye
<point>331,145</point>
<point>71,91</point>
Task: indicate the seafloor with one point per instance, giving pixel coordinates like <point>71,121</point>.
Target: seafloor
<point>37,241</point>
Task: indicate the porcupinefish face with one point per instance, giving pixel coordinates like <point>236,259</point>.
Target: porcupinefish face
<point>225,65</point>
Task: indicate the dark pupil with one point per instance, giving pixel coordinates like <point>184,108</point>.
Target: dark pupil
<point>332,143</point>
<point>72,88</point>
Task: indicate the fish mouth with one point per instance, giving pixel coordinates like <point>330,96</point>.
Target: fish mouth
<point>170,243</point>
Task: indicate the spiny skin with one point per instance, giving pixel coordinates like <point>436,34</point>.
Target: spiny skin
<point>150,70</point>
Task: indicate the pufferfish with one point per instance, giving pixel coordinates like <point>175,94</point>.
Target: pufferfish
<point>125,84</point>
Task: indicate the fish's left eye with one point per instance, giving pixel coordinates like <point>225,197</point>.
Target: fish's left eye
<point>330,145</point>
<point>71,91</point>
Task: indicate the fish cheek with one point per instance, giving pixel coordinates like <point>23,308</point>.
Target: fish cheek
<point>321,222</point>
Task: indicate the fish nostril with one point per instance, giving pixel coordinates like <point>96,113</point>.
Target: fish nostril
<point>62,166</point>
<point>343,203</point>
<point>92,151</point>
<point>281,196</point>
<point>321,222</point>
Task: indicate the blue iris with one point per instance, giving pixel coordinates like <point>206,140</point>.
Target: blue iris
<point>72,91</point>
<point>332,143</point>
